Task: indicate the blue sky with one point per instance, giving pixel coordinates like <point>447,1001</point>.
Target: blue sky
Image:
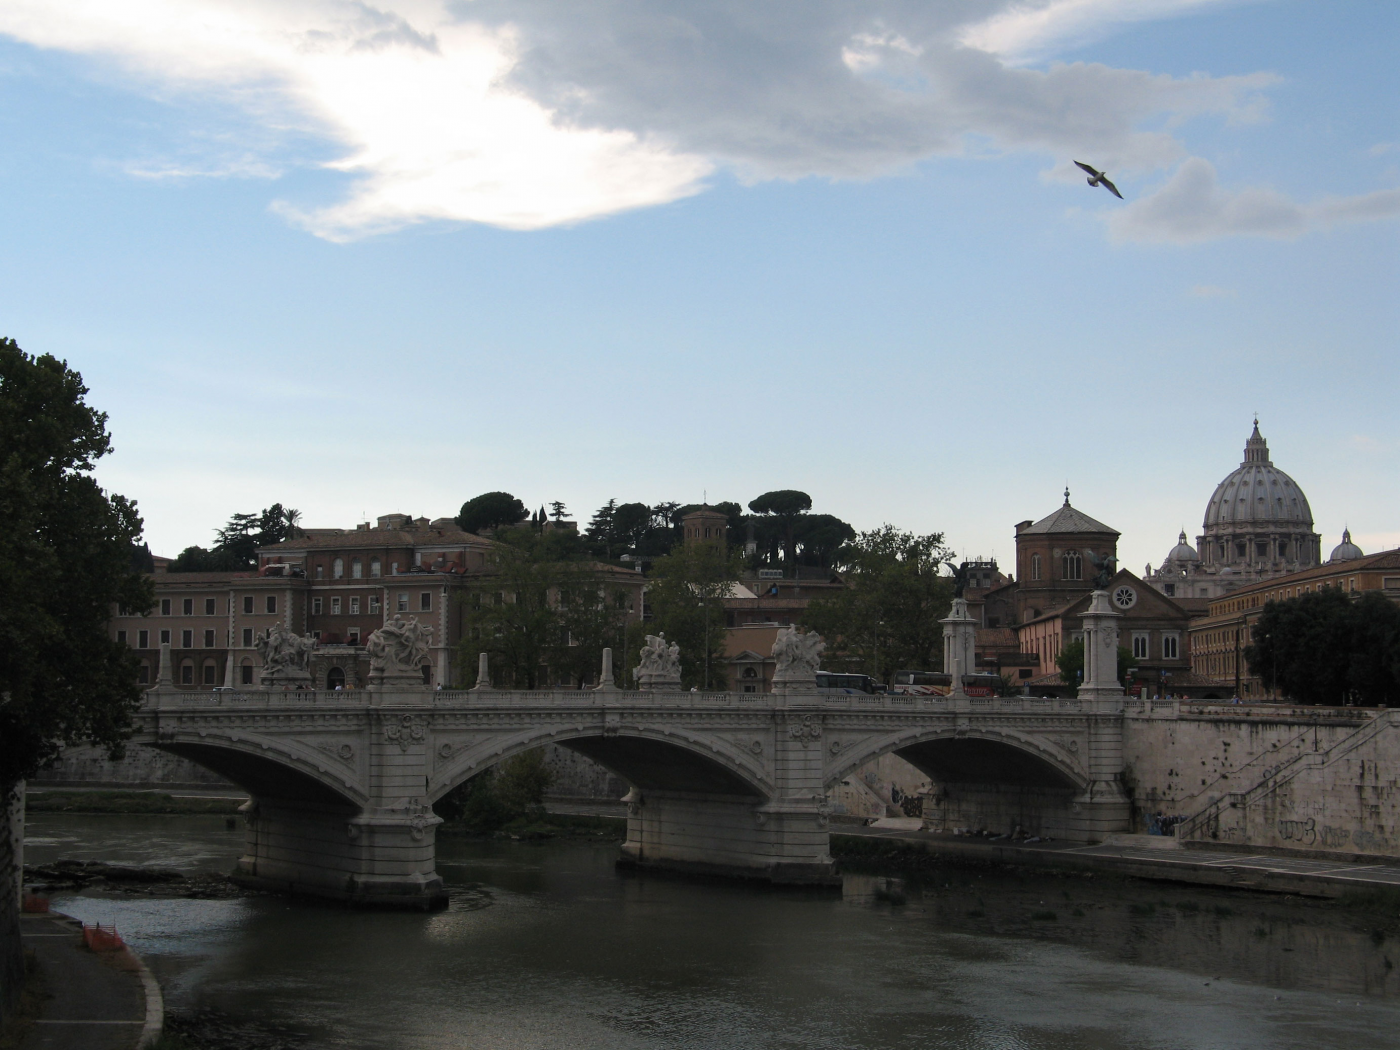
<point>367,258</point>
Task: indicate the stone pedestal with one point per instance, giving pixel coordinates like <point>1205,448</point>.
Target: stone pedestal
<point>959,645</point>
<point>659,682</point>
<point>286,679</point>
<point>1103,808</point>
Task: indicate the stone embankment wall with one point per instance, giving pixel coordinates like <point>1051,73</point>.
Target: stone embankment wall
<point>142,768</point>
<point>1320,780</point>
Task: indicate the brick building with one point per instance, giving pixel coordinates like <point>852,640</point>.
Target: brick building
<point>1219,638</point>
<point>339,586</point>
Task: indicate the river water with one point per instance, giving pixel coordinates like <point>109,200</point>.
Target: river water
<point>547,946</point>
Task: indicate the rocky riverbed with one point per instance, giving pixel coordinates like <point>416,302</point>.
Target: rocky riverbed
<point>95,875</point>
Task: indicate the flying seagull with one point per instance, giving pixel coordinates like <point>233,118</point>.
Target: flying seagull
<point>1098,178</point>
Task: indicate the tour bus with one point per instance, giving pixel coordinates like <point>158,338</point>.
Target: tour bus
<point>939,683</point>
<point>829,682</point>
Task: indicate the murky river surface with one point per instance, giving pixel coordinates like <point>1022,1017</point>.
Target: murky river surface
<point>547,946</point>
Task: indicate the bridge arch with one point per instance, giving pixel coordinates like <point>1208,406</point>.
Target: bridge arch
<point>268,768</point>
<point>650,759</point>
<point>990,755</point>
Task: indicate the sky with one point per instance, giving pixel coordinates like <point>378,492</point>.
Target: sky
<point>363,258</point>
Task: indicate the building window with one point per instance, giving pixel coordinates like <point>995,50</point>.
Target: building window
<point>247,638</point>
<point>186,639</point>
<point>210,674</point>
<point>121,637</point>
<point>338,569</point>
<point>164,637</point>
<point>374,603</point>
<point>356,569</point>
<point>187,606</point>
<point>374,567</point>
<point>320,572</point>
<point>208,639</point>
<point>315,606</point>
<point>1239,549</point>
<point>403,602</point>
<point>1169,589</point>
<point>272,603</point>
<point>144,676</point>
<point>245,673</point>
<point>393,568</point>
<point>210,604</point>
<point>1283,548</point>
<point>1072,566</point>
<point>1171,647</point>
<point>187,674</point>
<point>335,606</point>
<point>1140,646</point>
<point>1261,548</point>
<point>354,606</point>
<point>143,639</point>
<point>248,605</point>
<point>1035,566</point>
<point>425,601</point>
<point>165,606</point>
<point>354,636</point>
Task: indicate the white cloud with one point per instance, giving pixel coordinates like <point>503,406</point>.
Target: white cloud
<point>415,98</point>
<point>1030,31</point>
<point>1193,206</point>
<point>529,113</point>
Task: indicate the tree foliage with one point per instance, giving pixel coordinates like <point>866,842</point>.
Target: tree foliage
<point>491,510</point>
<point>541,615</point>
<point>887,618</point>
<point>237,543</point>
<point>1328,648</point>
<point>783,508</point>
<point>1071,663</point>
<point>68,552</point>
<point>686,591</point>
<point>509,792</point>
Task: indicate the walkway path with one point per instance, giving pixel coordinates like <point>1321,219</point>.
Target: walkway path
<point>96,1000</point>
<point>1210,867</point>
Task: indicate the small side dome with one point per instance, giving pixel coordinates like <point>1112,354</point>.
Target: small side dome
<point>1346,550</point>
<point>1182,554</point>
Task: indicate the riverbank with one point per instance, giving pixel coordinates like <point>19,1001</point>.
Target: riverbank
<point>94,998</point>
<point>154,802</point>
<point>902,851</point>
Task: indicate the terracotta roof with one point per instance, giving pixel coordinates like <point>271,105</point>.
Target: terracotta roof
<point>201,577</point>
<point>1067,519</point>
<point>321,539</point>
<point>1369,563</point>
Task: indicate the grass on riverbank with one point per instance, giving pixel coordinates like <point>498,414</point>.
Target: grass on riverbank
<point>125,802</point>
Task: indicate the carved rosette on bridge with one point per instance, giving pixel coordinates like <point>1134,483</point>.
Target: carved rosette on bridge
<point>397,652</point>
<point>959,645</point>
<point>797,655</point>
<point>660,668</point>
<point>285,657</point>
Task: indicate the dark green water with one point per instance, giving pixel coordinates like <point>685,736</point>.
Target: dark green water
<point>546,946</point>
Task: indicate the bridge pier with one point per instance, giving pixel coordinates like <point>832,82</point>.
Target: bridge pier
<point>784,842</point>
<point>378,857</point>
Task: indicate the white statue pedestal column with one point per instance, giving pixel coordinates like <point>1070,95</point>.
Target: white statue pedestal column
<point>959,646</point>
<point>1103,808</point>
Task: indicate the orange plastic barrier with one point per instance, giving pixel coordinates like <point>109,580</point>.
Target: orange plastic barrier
<point>35,904</point>
<point>101,938</point>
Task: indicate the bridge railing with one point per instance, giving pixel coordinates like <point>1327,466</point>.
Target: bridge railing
<point>277,697</point>
<point>591,697</point>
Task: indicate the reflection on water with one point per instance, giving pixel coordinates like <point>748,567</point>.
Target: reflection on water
<point>547,946</point>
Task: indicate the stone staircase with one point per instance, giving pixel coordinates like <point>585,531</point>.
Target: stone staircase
<point>1225,819</point>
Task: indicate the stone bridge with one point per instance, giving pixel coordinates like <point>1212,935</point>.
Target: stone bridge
<point>343,783</point>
